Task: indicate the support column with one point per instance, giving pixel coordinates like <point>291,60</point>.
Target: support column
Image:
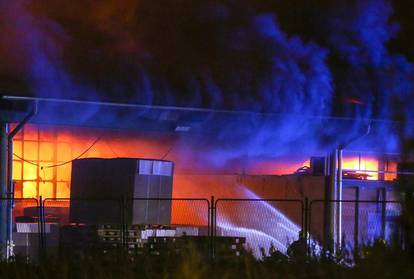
<point>3,187</point>
<point>333,209</point>
<point>338,197</point>
<point>330,208</point>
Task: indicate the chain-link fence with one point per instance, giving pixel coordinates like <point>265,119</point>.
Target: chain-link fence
<point>170,212</point>
<point>264,224</point>
<point>354,223</point>
<point>78,224</point>
<point>114,223</point>
<point>223,226</point>
<point>152,224</point>
<point>21,233</point>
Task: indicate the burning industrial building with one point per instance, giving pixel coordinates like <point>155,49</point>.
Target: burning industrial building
<point>158,104</point>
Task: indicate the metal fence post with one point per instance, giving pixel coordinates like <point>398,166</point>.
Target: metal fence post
<point>310,224</point>
<point>383,212</point>
<point>212,225</point>
<point>123,222</point>
<point>356,220</point>
<point>306,225</point>
<point>402,226</point>
<point>41,225</point>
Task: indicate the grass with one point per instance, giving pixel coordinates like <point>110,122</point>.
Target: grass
<point>376,261</point>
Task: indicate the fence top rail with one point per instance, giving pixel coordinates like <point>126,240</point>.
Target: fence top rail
<point>258,200</point>
<point>356,201</point>
<point>18,199</point>
<point>80,199</point>
<point>127,199</point>
<point>275,200</point>
<point>168,199</point>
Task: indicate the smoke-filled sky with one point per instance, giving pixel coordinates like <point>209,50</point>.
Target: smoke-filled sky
<point>261,55</point>
<point>337,58</point>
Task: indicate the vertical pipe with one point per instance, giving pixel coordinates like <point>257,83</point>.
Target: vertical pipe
<point>327,204</point>
<point>10,196</point>
<point>339,198</point>
<point>3,187</point>
<point>9,177</point>
<point>330,194</point>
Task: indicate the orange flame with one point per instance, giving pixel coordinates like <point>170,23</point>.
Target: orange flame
<point>361,165</point>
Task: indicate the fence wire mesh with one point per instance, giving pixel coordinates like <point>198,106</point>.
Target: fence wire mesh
<point>167,212</point>
<point>23,232</point>
<point>257,224</point>
<point>82,223</point>
<point>165,225</point>
<point>265,224</point>
<point>360,223</point>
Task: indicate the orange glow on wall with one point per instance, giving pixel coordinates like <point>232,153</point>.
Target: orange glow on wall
<point>391,166</point>
<point>29,189</point>
<point>374,168</point>
<point>41,165</point>
<point>360,165</point>
<point>43,154</point>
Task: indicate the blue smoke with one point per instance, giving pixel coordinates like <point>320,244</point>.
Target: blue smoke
<point>381,81</point>
<point>226,55</point>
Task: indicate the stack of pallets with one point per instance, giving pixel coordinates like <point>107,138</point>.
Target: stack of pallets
<point>223,246</point>
<point>109,235</point>
<point>153,239</point>
<point>134,238</point>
